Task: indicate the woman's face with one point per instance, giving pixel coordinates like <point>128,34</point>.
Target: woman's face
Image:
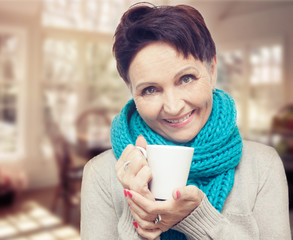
<point>172,94</point>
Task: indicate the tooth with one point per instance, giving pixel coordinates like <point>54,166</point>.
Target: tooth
<point>180,120</point>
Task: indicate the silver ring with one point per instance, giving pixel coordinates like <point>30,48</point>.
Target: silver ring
<point>158,219</point>
<point>125,165</point>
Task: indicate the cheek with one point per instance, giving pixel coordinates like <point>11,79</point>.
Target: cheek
<point>148,110</point>
<point>200,97</point>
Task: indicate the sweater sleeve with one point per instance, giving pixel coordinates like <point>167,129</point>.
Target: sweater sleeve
<point>269,217</point>
<point>104,214</point>
<point>205,222</point>
<point>271,207</point>
<point>98,218</point>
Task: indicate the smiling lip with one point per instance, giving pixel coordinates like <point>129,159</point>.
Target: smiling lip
<point>181,121</point>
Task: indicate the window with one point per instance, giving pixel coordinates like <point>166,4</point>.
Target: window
<point>90,15</point>
<point>61,81</point>
<point>79,74</point>
<point>231,78</point>
<point>253,76</point>
<point>266,85</point>
<point>79,70</point>
<point>11,92</point>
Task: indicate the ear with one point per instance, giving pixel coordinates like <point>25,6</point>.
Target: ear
<point>214,71</point>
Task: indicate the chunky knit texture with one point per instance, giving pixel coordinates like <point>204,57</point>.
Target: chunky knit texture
<point>217,148</point>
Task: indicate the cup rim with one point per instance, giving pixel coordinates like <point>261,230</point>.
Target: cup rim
<point>169,146</point>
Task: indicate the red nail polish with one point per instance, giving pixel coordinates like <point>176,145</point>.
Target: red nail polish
<point>125,193</point>
<point>178,194</point>
<point>135,224</point>
<point>129,194</point>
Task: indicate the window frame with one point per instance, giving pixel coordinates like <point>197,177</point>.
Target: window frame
<point>21,105</point>
<point>81,38</point>
<point>246,46</point>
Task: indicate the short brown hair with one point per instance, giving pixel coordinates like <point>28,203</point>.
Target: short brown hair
<point>181,26</point>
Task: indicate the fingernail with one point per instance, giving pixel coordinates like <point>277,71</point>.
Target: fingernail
<point>129,194</point>
<point>178,194</point>
<point>135,224</point>
<point>125,193</point>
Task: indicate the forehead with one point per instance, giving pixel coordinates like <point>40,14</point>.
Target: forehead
<point>159,59</point>
<point>155,51</point>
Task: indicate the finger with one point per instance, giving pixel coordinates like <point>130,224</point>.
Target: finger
<point>137,161</point>
<point>140,182</point>
<point>124,178</point>
<point>145,224</point>
<point>188,193</point>
<point>141,142</point>
<point>149,234</point>
<point>123,157</point>
<point>150,206</point>
<point>143,215</point>
<point>127,176</point>
<point>145,174</point>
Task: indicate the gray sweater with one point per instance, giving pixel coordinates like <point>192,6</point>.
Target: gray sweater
<point>256,208</point>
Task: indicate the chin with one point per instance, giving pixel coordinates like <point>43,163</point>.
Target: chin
<point>181,139</point>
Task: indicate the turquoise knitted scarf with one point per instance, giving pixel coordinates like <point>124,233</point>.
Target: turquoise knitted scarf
<point>217,148</point>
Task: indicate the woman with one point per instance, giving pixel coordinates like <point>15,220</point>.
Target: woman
<point>236,189</point>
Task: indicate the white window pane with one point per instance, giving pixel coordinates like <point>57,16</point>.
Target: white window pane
<point>62,76</point>
<point>61,61</point>
<point>231,78</point>
<point>265,55</point>
<point>266,86</point>
<point>62,13</point>
<point>264,62</point>
<point>9,50</point>
<point>8,44</point>
<point>9,92</point>
<point>103,81</point>
<point>94,15</point>
<point>8,136</point>
<point>277,54</point>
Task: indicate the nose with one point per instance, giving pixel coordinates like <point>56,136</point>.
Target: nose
<point>173,103</point>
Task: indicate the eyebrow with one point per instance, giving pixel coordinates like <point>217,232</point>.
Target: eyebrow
<point>145,83</point>
<point>176,75</point>
<point>184,70</point>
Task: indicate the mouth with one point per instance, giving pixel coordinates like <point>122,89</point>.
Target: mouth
<point>181,121</point>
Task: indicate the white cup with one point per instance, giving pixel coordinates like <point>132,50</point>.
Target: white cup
<point>170,167</point>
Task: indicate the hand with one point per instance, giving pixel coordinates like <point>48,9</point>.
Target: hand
<point>172,211</point>
<point>137,174</point>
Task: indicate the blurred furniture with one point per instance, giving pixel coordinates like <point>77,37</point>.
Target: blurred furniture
<point>281,137</point>
<point>13,181</point>
<point>93,132</point>
<point>69,168</point>
<point>282,130</point>
<point>7,196</point>
<point>93,137</point>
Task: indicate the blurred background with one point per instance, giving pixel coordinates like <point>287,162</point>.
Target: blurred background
<point>59,91</point>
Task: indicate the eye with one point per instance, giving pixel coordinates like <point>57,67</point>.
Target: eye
<point>148,91</point>
<point>187,79</point>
